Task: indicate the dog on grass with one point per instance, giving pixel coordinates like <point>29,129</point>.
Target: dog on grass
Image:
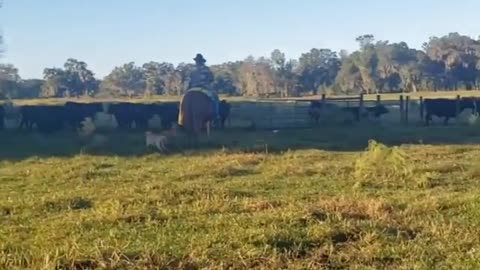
<point>159,141</point>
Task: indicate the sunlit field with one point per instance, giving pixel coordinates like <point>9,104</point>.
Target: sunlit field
<point>301,199</point>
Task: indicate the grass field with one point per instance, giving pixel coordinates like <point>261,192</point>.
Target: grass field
<point>305,199</point>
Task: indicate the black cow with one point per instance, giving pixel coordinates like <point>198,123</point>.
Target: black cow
<point>129,113</point>
<point>29,115</point>
<point>224,111</point>
<point>168,113</point>
<point>375,111</point>
<point>314,110</point>
<point>447,108</point>
<point>122,113</point>
<point>75,112</point>
<point>2,117</point>
<point>46,118</point>
<point>141,113</point>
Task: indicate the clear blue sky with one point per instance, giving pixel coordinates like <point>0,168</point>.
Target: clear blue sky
<point>107,33</point>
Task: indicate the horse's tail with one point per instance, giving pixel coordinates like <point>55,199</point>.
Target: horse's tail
<point>186,117</point>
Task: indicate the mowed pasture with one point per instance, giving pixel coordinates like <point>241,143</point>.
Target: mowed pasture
<point>292,199</point>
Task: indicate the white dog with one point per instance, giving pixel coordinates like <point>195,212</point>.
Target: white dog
<point>159,140</point>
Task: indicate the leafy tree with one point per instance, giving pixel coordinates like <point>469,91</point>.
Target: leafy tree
<point>153,82</point>
<point>31,88</point>
<point>79,79</point>
<point>126,80</point>
<point>460,57</point>
<point>448,62</point>
<point>318,68</point>
<point>286,78</point>
<point>55,83</point>
<point>9,81</point>
<point>256,77</point>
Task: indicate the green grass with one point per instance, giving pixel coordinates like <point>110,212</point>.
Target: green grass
<point>305,199</point>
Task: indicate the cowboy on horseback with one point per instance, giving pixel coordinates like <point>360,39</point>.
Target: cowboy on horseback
<point>202,77</point>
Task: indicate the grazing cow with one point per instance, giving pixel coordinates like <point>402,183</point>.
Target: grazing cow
<point>375,111</point>
<point>129,113</point>
<point>122,114</point>
<point>75,112</point>
<point>140,114</point>
<point>447,108</point>
<point>2,117</point>
<point>314,111</point>
<point>168,113</point>
<point>47,119</point>
<point>29,116</point>
<point>224,112</point>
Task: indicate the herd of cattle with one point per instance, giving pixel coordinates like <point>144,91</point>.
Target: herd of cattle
<point>440,107</point>
<point>49,118</point>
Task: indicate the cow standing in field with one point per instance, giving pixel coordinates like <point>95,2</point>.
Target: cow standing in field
<point>223,111</point>
<point>46,118</point>
<point>2,118</point>
<point>75,112</point>
<point>168,113</point>
<point>375,111</point>
<point>314,111</point>
<point>446,108</point>
<point>128,113</point>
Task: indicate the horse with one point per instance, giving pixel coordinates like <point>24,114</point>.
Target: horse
<point>197,111</point>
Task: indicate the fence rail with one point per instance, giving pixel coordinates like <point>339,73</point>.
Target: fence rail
<point>293,113</point>
<point>289,113</point>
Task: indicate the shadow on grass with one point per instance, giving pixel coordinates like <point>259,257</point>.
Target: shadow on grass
<point>15,145</point>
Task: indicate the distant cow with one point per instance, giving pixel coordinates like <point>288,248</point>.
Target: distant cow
<point>446,108</point>
<point>224,112</point>
<point>2,117</point>
<point>375,111</point>
<point>129,113</point>
<point>168,113</point>
<point>46,118</point>
<point>123,114</point>
<point>75,112</point>
<point>314,111</point>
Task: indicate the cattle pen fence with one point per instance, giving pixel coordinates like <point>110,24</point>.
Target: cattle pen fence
<point>284,113</point>
<point>293,113</point>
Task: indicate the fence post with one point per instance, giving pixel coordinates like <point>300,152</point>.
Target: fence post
<point>421,108</point>
<point>401,108</point>
<point>406,109</point>
<point>457,107</point>
<point>360,107</point>
<point>379,99</point>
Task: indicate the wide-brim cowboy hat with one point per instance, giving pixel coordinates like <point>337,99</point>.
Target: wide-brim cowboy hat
<point>199,58</point>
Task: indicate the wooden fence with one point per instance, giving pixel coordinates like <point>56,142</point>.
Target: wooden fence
<point>284,113</point>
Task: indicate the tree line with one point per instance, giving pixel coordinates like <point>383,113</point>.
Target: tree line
<point>450,62</point>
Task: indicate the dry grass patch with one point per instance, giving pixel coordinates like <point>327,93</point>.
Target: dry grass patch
<point>220,165</point>
<point>221,209</point>
<point>353,208</point>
